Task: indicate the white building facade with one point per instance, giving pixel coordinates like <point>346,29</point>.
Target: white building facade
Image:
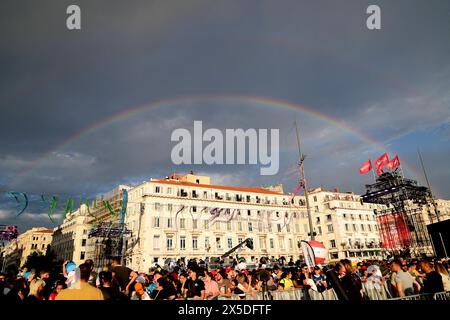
<point>186,216</point>
<point>70,238</point>
<point>347,227</point>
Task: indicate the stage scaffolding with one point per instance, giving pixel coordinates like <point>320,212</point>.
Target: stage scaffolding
<point>106,242</point>
<point>402,225</point>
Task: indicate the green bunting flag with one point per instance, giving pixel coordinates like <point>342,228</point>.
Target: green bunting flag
<point>16,196</point>
<point>52,206</point>
<point>88,204</point>
<point>69,206</point>
<point>109,207</point>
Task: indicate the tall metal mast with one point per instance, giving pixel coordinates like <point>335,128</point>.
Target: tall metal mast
<point>303,181</point>
<point>428,185</point>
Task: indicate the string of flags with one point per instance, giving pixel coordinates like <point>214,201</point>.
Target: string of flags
<point>380,163</point>
<point>68,205</point>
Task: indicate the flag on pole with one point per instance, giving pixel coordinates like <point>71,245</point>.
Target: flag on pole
<point>394,163</point>
<point>381,162</point>
<point>366,167</point>
<point>320,252</point>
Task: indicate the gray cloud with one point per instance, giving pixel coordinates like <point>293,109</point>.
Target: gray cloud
<point>391,84</point>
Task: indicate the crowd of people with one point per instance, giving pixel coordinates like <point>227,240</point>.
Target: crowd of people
<point>197,281</point>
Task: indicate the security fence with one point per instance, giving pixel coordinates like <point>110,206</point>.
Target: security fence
<point>330,294</point>
<point>290,294</point>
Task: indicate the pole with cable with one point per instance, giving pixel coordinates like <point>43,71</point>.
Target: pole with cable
<point>303,182</point>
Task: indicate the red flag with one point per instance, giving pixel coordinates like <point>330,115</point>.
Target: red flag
<point>380,162</point>
<point>366,167</point>
<point>394,163</point>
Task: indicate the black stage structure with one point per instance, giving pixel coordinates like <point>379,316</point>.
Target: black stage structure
<point>440,237</point>
<point>402,225</point>
<point>108,238</point>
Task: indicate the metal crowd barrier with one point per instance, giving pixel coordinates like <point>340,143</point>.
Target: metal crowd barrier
<point>413,297</point>
<point>445,295</point>
<point>442,296</point>
<point>330,294</point>
<point>290,294</point>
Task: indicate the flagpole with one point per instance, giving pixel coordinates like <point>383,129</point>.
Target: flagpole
<point>374,178</point>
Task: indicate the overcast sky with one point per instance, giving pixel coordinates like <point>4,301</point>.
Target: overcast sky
<point>391,85</point>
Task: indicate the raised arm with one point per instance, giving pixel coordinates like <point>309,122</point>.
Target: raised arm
<point>64,268</point>
<point>134,276</point>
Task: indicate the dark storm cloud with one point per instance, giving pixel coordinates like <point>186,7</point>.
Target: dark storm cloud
<point>392,84</point>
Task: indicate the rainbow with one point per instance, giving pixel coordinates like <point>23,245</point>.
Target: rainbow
<point>271,102</point>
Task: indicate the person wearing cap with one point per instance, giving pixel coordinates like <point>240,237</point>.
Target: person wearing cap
<point>319,279</point>
<point>69,273</point>
<point>139,290</point>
